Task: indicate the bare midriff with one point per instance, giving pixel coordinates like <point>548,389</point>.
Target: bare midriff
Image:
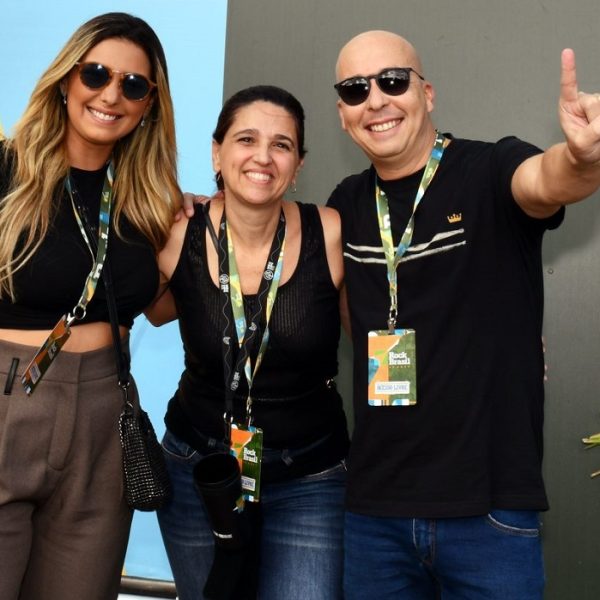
<point>84,338</point>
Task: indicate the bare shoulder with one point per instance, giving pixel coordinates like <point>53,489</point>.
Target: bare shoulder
<point>332,225</point>
<point>332,232</point>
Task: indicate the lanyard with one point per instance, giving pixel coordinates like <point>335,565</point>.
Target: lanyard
<point>91,282</point>
<point>233,304</point>
<point>393,256</point>
<point>62,330</point>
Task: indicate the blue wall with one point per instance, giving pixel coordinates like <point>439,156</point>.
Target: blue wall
<point>193,36</point>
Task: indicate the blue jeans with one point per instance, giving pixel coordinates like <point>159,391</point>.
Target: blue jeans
<point>493,557</point>
<point>301,548</point>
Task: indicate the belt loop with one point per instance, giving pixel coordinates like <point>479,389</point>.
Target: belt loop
<point>11,376</point>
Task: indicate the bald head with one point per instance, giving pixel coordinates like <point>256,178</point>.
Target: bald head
<point>382,47</point>
<point>393,127</point>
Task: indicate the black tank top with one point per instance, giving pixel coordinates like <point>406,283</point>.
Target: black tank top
<point>292,403</point>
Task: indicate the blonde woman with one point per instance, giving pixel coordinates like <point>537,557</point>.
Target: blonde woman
<point>99,125</point>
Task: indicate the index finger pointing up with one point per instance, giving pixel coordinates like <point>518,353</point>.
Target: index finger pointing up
<point>568,76</point>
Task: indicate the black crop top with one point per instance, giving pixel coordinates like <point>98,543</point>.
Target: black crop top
<point>50,284</point>
<point>292,404</point>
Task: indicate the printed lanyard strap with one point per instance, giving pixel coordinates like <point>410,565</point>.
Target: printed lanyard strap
<point>233,304</point>
<point>89,288</point>
<point>394,255</point>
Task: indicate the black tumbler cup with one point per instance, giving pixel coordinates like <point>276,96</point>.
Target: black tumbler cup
<point>234,572</point>
<point>218,481</point>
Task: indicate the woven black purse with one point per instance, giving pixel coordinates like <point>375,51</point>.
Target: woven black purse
<point>147,483</point>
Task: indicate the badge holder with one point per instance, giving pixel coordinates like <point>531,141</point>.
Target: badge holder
<point>392,368</point>
<point>48,351</point>
<point>247,447</point>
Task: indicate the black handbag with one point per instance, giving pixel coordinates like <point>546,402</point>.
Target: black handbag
<point>146,480</point>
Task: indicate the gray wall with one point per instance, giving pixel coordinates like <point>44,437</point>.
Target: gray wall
<point>495,67</point>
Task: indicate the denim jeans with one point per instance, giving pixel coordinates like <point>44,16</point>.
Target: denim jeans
<point>493,557</point>
<point>302,535</point>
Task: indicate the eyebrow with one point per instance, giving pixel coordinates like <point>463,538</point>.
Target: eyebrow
<point>255,132</point>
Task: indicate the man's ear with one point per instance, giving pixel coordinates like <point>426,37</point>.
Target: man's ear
<point>429,92</point>
<point>341,114</point>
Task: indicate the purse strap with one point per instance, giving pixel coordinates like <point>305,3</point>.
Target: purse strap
<point>121,359</point>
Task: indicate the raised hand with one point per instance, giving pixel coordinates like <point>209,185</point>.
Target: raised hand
<point>579,114</point>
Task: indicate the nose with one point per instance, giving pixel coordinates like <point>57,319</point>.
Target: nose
<point>376,98</point>
<point>112,92</point>
<point>263,154</point>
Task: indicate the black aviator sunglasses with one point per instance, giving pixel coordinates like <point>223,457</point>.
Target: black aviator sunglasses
<point>393,81</point>
<point>95,76</point>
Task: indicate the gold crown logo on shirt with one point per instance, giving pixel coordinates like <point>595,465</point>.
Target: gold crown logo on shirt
<point>454,218</point>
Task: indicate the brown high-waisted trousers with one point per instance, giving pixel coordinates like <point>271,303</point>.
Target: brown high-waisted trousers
<point>63,521</point>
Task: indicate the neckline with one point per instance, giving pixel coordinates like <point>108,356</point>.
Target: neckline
<point>281,285</point>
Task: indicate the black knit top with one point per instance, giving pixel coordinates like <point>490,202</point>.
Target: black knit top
<point>292,403</point>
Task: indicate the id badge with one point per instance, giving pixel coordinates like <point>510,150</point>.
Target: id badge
<point>392,368</point>
<point>246,446</point>
<point>45,355</point>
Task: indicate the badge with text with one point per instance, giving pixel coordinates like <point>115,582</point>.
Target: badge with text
<point>392,368</point>
<point>45,355</point>
<point>246,446</point>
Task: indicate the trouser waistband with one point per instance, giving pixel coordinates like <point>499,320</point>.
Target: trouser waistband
<point>67,367</point>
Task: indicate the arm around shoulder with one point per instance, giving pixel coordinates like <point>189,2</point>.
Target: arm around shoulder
<point>163,309</point>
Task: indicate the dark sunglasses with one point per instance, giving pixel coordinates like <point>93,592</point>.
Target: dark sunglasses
<point>95,76</point>
<point>393,82</point>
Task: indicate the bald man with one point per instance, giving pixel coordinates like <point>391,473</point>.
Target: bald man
<point>442,245</point>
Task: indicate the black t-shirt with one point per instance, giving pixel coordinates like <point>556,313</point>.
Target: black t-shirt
<point>50,284</point>
<point>471,286</point>
<point>291,401</point>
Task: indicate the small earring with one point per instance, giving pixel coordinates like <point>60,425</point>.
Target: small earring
<point>65,99</point>
<point>294,189</point>
<point>143,122</point>
<point>218,177</point>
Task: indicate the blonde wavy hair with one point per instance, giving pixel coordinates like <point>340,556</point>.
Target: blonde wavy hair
<point>145,190</point>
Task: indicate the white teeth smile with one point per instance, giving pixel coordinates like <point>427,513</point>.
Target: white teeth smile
<point>258,176</point>
<point>384,126</point>
<point>103,116</point>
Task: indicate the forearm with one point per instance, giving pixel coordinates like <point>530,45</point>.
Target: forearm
<point>566,179</point>
<point>545,182</point>
<point>163,308</point>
